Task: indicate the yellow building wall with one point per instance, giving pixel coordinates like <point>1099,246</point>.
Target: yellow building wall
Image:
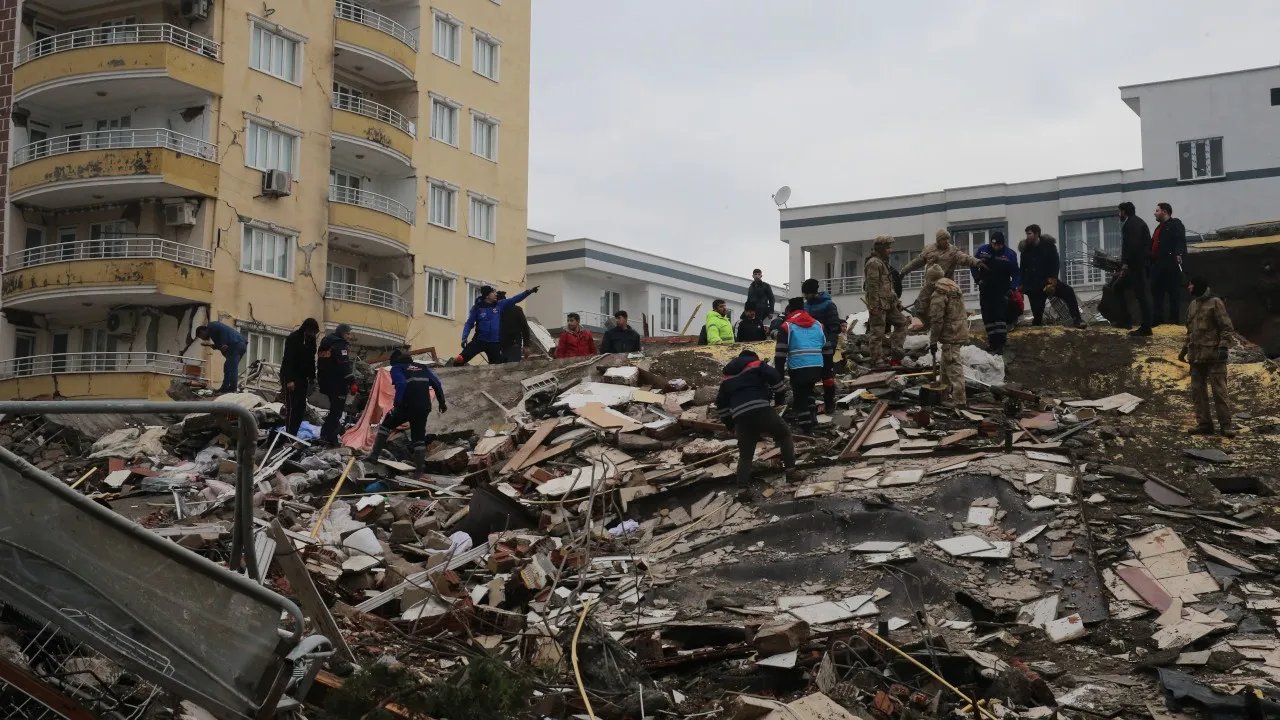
<point>366,316</point>
<point>170,278</point>
<point>88,386</point>
<point>194,174</point>
<point>183,65</point>
<point>359,35</point>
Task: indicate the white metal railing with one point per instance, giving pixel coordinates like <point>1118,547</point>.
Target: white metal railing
<point>369,108</point>
<point>367,296</point>
<point>114,140</point>
<point>99,362</point>
<point>841,286</point>
<point>1080,273</point>
<point>120,35</point>
<point>594,319</point>
<point>109,248</point>
<point>371,200</point>
<point>350,11</point>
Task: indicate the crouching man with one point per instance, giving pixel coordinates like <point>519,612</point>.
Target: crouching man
<point>414,384</point>
<point>1209,337</point>
<point>948,325</point>
<point>744,403</point>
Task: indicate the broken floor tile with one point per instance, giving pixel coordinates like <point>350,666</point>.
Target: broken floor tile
<point>1066,629</point>
<point>877,546</point>
<point>902,477</point>
<point>962,545</point>
<point>1212,455</point>
<point>1227,558</point>
<point>1156,542</point>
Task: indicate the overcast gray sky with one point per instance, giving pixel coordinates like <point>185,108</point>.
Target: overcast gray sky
<point>665,125</point>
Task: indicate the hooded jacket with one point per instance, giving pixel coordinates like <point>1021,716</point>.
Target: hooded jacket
<point>414,384</point>
<point>877,286</point>
<point>719,329</point>
<point>299,362</point>
<point>334,369</point>
<point>580,343</point>
<point>805,340</point>
<point>824,310</point>
<point>760,297</point>
<point>1001,274</point>
<point>1209,328</point>
<point>749,384</point>
<point>751,330</point>
<point>948,319</point>
<point>949,259</point>
<point>620,340</point>
<point>486,318</point>
<point>1038,262</point>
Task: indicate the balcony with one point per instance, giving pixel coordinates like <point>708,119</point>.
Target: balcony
<point>61,63</point>
<point>379,127</point>
<point>60,278</point>
<point>113,166</point>
<point>374,45</point>
<point>111,375</point>
<point>372,312</point>
<point>364,215</point>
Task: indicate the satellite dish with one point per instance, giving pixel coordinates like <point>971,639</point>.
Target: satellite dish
<point>781,197</point>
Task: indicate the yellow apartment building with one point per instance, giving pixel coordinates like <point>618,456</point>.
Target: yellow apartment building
<point>172,162</point>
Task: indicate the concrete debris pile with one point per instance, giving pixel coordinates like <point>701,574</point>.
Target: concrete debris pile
<point>579,548</point>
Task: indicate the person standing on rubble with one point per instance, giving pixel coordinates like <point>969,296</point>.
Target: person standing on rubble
<point>824,310</point>
<point>760,296</point>
<point>996,279</point>
<point>1135,256</point>
<point>948,326</point>
<point>336,376</point>
<point>298,372</point>
<point>806,342</point>
<point>1209,338</point>
<point>575,340</point>
<point>781,344</point>
<point>1168,246</point>
<point>233,347</point>
<point>486,318</point>
<point>1038,258</point>
<point>414,383</point>
<point>947,256</point>
<point>749,328</point>
<point>513,331</point>
<point>621,338</point>
<point>883,305</point>
<point>743,403</point>
<point>1053,287</point>
<point>719,329</point>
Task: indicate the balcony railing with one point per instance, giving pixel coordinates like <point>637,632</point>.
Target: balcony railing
<point>367,296</point>
<point>114,140</point>
<point>350,11</point>
<point>120,35</point>
<point>371,200</point>
<point>368,108</point>
<point>99,362</point>
<point>111,248</point>
<point>841,286</point>
<point>594,319</point>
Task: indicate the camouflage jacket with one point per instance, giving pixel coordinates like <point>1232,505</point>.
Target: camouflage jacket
<point>948,319</point>
<point>877,286</point>
<point>1208,329</point>
<point>950,259</point>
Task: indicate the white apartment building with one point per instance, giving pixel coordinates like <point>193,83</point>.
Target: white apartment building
<point>596,279</point>
<point>1210,147</point>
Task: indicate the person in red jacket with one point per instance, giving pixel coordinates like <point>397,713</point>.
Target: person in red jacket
<point>575,341</point>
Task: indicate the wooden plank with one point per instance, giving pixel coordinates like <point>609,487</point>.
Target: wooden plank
<point>851,450</point>
<point>544,454</point>
<point>600,415</point>
<point>535,441</point>
<point>423,578</point>
<point>295,570</point>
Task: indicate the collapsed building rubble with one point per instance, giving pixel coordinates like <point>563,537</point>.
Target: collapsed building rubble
<point>577,546</point>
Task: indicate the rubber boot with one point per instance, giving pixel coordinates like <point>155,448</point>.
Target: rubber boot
<point>419,458</point>
<point>379,443</point>
<point>829,398</point>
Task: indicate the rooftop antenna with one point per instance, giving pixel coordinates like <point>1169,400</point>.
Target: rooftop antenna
<point>781,197</point>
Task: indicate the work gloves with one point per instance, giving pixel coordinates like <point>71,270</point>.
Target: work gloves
<point>354,388</point>
<point>443,408</point>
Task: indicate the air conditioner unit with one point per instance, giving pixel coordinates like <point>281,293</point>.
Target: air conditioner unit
<point>195,9</point>
<point>276,183</point>
<point>181,214</point>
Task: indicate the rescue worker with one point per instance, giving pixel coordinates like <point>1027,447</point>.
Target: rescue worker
<point>1053,287</point>
<point>224,338</point>
<point>336,377</point>
<point>486,318</point>
<point>760,295</point>
<point>743,403</point>
<point>806,343</point>
<point>297,372</point>
<point>749,328</point>
<point>719,329</point>
<point>414,384</point>
<point>996,281</point>
<point>575,340</point>
<point>1209,337</point>
<point>883,305</point>
<point>824,310</point>
<point>513,331</point>
<point>1038,261</point>
<point>947,256</point>
<point>949,327</point>
<point>621,338</point>
<point>781,346</point>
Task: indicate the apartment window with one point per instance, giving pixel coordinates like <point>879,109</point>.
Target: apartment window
<point>98,350</point>
<point>24,349</point>
<point>440,207</point>
<point>1199,159</point>
<point>1275,96</point>
<point>444,121</point>
<point>267,253</point>
<point>342,280</point>
<point>1081,238</point>
<point>486,58</point>
<point>347,97</point>
<point>669,314</point>
<point>481,221</point>
<point>610,303</point>
<point>439,294</point>
<point>267,347</point>
<point>447,38</point>
<point>273,53</point>
<point>270,149</point>
<point>473,291</point>
<point>484,137</point>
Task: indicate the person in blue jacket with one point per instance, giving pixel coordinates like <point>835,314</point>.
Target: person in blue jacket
<point>486,318</point>
<point>232,345</point>
<point>996,282</point>
<point>823,309</point>
<point>414,385</point>
<point>806,350</point>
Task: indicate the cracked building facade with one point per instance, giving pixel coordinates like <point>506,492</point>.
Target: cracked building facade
<point>172,162</point>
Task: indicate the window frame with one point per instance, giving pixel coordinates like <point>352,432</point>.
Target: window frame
<point>480,37</point>
<point>474,199</point>
<point>439,17</point>
<point>674,301</point>
<point>447,295</point>
<point>453,107</point>
<point>274,340</point>
<point>276,31</point>
<point>253,123</point>
<point>493,124</point>
<point>246,260</point>
<point>432,185</point>
<point>1207,142</point>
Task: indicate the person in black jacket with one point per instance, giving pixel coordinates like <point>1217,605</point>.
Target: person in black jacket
<point>513,331</point>
<point>1038,257</point>
<point>414,383</point>
<point>749,328</point>
<point>297,372</point>
<point>1168,246</point>
<point>744,404</point>
<point>336,377</point>
<point>621,338</point>
<point>1135,256</point>
<point>760,295</point>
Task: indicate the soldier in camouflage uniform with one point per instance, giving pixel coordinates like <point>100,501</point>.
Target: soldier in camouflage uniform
<point>948,325</point>
<point>1209,337</point>
<point>882,304</point>
<point>946,256</point>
